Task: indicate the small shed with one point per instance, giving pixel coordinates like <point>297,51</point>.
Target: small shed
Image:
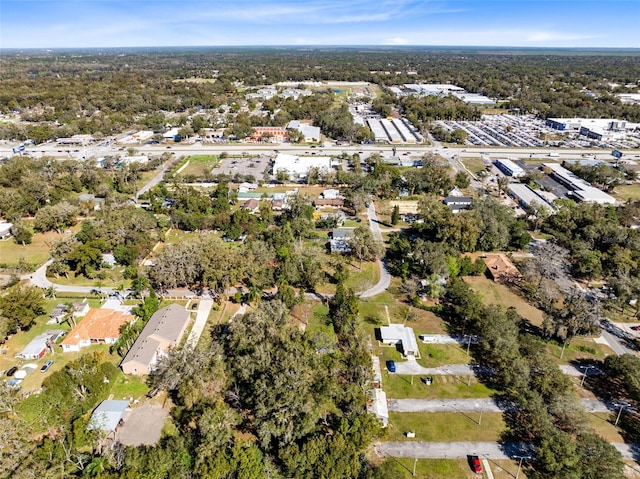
<point>107,415</point>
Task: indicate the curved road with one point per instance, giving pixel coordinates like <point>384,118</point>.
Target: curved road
<point>39,278</point>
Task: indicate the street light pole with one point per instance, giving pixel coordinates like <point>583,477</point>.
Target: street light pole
<point>584,376</point>
<point>520,464</point>
<point>619,414</point>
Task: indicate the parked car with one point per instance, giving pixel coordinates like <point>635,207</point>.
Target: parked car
<point>12,371</point>
<point>476,465</point>
<point>45,367</point>
<point>391,366</point>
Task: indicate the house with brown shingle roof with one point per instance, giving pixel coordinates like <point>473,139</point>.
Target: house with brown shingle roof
<point>163,332</point>
<point>99,326</point>
<point>501,269</point>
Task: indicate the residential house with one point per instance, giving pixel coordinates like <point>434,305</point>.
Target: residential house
<point>163,332</point>
<point>39,345</point>
<point>501,268</point>
<point>398,334</point>
<point>58,314</point>
<point>377,404</point>
<point>340,238</point>
<point>99,326</point>
<point>458,203</point>
<point>80,308</point>
<point>252,206</point>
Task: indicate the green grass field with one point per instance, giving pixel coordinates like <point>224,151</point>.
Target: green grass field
<point>442,387</point>
<point>627,192</point>
<point>445,426</point>
<point>199,165</point>
<point>35,253</point>
<point>474,165</point>
<point>434,355</point>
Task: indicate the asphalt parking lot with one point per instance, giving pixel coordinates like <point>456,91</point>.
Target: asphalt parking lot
<point>254,166</point>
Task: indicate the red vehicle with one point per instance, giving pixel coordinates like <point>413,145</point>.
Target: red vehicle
<point>476,465</point>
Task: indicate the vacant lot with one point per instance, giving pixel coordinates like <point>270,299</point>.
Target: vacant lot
<point>496,293</point>
<point>35,253</point>
<point>445,426</point>
<point>442,387</point>
<point>199,166</point>
<point>627,192</point>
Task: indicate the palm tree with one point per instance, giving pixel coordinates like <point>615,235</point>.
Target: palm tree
<point>50,292</point>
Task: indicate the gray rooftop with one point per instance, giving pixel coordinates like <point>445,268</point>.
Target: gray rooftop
<point>107,415</point>
<point>166,324</point>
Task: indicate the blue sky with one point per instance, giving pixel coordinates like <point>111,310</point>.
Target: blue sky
<point>529,23</point>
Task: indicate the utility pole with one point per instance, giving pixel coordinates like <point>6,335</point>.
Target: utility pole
<point>415,464</point>
<point>584,376</point>
<point>520,464</point>
<point>468,345</point>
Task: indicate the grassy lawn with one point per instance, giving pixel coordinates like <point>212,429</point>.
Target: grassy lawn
<point>114,278</point>
<point>35,253</point>
<point>442,387</point>
<point>128,386</point>
<point>359,279</point>
<point>474,165</point>
<point>445,426</point>
<point>496,293</point>
<point>602,424</point>
<point>578,349</point>
<point>434,355</point>
<point>450,468</point>
<point>200,165</point>
<point>627,192</point>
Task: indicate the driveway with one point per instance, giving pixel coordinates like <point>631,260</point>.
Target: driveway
<point>412,367</point>
<point>460,450</point>
<point>448,450</point>
<point>476,405</point>
<point>385,278</point>
<point>204,308</point>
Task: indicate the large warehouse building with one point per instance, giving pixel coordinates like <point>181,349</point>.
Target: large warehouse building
<point>580,189</point>
<point>509,168</point>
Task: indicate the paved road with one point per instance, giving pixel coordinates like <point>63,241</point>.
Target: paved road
<point>411,366</point>
<point>204,308</point>
<point>476,405</point>
<point>448,450</point>
<point>615,343</point>
<point>460,450</point>
<point>39,278</point>
<point>385,278</point>
<point>152,182</point>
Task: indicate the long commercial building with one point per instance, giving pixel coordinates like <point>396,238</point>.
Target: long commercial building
<point>393,131</point>
<point>581,190</point>
<point>528,197</point>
